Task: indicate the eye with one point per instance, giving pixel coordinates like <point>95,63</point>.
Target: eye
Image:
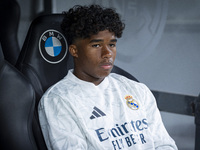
<point>96,45</point>
<point>112,45</point>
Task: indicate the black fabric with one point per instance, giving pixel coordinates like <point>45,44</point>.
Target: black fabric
<point>41,73</point>
<point>16,110</point>
<point>9,22</point>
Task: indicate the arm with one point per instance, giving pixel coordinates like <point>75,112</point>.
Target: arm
<point>162,140</point>
<point>59,124</point>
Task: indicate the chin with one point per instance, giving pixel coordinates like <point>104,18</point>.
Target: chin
<point>105,73</point>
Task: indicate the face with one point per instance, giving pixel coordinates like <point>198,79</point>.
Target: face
<point>94,57</point>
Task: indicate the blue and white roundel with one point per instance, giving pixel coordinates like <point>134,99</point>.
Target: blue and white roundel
<point>53,46</point>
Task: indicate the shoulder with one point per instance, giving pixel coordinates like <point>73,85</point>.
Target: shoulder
<point>54,97</point>
<point>129,83</point>
<point>63,86</point>
<point>56,88</point>
<point>136,88</point>
<point>122,79</point>
<point>58,91</point>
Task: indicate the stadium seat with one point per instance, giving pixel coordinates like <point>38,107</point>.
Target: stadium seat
<point>17,101</point>
<point>44,60</point>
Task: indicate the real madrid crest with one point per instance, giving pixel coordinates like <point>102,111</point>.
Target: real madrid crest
<point>131,103</point>
<point>52,46</point>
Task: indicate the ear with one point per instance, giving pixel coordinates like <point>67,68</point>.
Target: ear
<point>73,50</point>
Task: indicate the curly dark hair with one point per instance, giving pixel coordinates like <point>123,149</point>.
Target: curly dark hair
<point>84,21</point>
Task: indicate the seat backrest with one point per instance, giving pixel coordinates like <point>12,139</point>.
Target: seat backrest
<point>44,57</point>
<point>9,22</point>
<point>17,100</point>
<point>44,60</point>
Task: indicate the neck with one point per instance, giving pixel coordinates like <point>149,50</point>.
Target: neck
<point>86,77</point>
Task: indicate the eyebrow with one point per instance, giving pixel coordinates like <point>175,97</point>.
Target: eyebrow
<point>113,40</point>
<point>99,40</point>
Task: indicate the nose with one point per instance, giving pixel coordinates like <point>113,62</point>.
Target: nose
<point>106,52</point>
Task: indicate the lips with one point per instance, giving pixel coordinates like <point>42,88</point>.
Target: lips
<point>106,65</point>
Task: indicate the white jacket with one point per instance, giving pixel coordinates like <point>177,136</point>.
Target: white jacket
<point>117,114</point>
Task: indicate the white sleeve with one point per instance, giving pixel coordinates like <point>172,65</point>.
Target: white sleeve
<point>59,124</point>
<point>162,140</point>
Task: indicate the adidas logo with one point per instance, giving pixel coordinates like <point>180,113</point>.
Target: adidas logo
<point>97,113</point>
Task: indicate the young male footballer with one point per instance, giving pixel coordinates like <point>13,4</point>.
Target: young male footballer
<point>92,108</point>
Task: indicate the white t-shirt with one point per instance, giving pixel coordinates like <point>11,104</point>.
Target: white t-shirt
<point>117,114</point>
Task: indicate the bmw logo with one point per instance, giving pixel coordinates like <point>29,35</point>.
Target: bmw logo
<point>52,46</point>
